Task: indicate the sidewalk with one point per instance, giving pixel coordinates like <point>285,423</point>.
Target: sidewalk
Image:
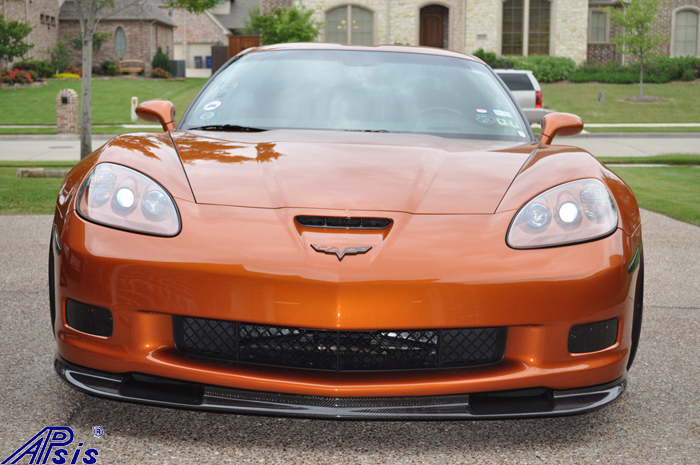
<point>65,147</point>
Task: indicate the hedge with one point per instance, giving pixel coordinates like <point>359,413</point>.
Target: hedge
<point>659,69</point>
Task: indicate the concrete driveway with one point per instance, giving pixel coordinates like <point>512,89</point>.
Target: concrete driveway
<point>657,420</point>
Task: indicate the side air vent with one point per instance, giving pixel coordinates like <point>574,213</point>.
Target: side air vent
<point>339,222</point>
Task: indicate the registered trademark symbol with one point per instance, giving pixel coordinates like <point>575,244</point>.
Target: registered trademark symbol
<point>98,431</point>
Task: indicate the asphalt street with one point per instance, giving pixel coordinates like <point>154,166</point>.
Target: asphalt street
<point>657,420</point>
<point>67,147</point>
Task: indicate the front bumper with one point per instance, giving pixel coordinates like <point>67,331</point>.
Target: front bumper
<point>163,392</point>
<point>252,265</point>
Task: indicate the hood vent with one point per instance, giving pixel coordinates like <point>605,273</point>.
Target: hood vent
<point>340,222</point>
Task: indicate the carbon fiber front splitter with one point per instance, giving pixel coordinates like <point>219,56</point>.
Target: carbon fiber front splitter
<point>163,392</point>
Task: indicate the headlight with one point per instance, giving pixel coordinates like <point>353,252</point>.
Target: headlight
<point>119,197</point>
<point>582,211</point>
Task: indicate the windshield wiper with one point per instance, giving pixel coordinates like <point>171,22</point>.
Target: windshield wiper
<point>367,130</point>
<point>226,127</point>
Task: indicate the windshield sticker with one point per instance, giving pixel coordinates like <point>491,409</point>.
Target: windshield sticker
<point>521,134</point>
<point>507,122</point>
<point>229,86</point>
<point>486,119</point>
<point>220,95</point>
<point>207,115</point>
<point>212,105</point>
<point>502,113</point>
<point>481,110</point>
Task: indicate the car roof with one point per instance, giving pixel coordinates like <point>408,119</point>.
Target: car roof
<point>370,48</point>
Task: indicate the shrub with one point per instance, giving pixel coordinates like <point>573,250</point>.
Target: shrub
<point>60,57</point>
<point>489,58</point>
<point>43,68</point>
<point>24,66</point>
<point>109,68</point>
<point>15,76</point>
<point>660,69</point>
<point>66,76</point>
<point>160,73</point>
<point>546,68</point>
<point>689,74</point>
<point>161,60</point>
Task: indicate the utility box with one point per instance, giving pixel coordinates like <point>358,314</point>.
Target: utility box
<point>67,112</point>
<point>178,68</point>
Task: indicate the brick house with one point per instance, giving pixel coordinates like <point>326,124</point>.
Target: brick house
<point>578,29</point>
<point>677,20</point>
<point>42,16</point>
<point>510,27</point>
<point>136,30</point>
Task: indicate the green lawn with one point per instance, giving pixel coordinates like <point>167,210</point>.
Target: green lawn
<point>681,102</point>
<point>673,191</point>
<point>633,129</point>
<point>111,99</point>
<point>27,196</point>
<point>670,159</point>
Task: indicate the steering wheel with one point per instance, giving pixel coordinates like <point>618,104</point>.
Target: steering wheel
<point>439,109</point>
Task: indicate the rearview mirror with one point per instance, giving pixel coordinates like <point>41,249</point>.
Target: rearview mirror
<point>559,124</point>
<point>158,111</point>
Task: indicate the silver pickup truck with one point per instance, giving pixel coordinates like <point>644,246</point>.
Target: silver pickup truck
<point>526,90</point>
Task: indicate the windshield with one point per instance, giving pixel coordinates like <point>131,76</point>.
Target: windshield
<point>358,91</point>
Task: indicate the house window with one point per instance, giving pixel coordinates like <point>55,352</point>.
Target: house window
<point>120,42</point>
<point>531,37</point>
<point>350,25</point>
<point>686,34</point>
<point>599,24</point>
<point>512,27</point>
<point>538,34</point>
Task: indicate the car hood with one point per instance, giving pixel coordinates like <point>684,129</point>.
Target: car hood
<point>413,173</point>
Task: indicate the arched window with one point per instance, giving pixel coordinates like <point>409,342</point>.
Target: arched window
<point>686,34</point>
<point>515,32</point>
<point>350,25</point>
<point>120,42</point>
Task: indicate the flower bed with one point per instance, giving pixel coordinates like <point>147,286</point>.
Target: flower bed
<point>15,76</point>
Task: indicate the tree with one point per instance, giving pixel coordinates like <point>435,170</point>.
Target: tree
<point>635,37</point>
<point>12,44</point>
<point>161,60</point>
<point>90,12</point>
<point>97,40</point>
<point>282,26</point>
<point>59,57</point>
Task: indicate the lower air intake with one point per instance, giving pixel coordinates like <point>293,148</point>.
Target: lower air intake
<point>339,222</point>
<point>339,351</point>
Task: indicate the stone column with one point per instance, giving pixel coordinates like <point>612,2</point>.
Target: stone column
<point>67,112</point>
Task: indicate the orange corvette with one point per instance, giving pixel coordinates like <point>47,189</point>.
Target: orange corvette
<point>348,232</point>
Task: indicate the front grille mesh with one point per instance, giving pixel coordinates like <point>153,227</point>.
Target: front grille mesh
<point>339,350</point>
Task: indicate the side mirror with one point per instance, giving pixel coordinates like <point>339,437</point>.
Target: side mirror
<point>158,111</point>
<point>559,124</point>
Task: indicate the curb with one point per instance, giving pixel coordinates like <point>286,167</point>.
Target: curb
<point>637,135</point>
<point>40,173</point>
